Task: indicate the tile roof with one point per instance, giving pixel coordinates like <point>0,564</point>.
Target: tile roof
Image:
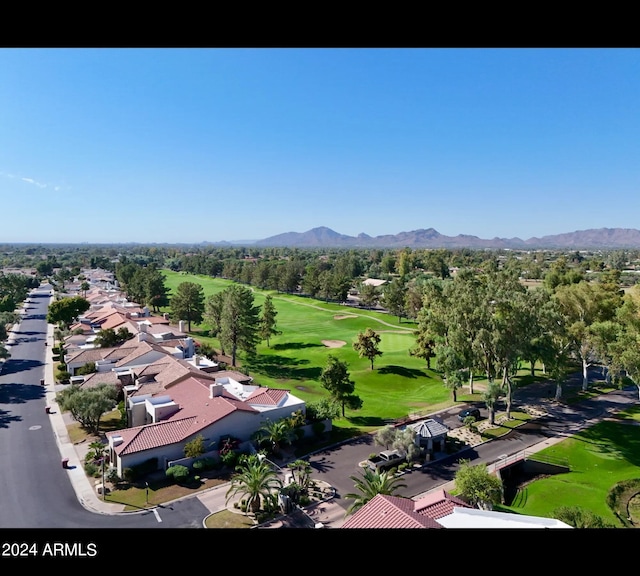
<point>438,503</point>
<point>197,410</point>
<point>152,435</point>
<point>429,428</point>
<point>267,396</point>
<point>384,511</point>
<point>92,354</point>
<point>114,321</point>
<point>93,380</point>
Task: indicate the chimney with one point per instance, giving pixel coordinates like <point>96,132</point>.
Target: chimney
<point>166,315</point>
<point>196,359</point>
<point>215,390</point>
<point>142,336</point>
<point>181,325</point>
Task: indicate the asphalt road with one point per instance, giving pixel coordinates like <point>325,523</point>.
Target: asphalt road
<point>337,465</point>
<point>35,491</point>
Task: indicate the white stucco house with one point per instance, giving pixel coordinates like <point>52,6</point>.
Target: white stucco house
<point>214,408</point>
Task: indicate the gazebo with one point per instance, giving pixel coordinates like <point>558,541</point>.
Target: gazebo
<point>431,436</point>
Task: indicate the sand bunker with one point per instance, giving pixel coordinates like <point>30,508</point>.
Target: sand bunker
<point>334,343</point>
<point>343,316</point>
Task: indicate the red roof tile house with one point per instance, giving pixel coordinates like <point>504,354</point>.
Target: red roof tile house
<point>396,512</point>
<point>214,408</point>
<point>389,512</point>
<point>438,509</point>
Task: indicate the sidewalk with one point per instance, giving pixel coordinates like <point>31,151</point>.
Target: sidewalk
<point>86,492</point>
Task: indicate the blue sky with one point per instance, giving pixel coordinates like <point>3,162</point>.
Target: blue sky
<point>211,144</point>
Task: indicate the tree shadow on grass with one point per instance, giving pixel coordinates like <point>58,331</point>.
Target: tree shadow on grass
<point>613,440</point>
<point>295,346</point>
<point>363,421</point>
<point>281,367</point>
<point>401,371</point>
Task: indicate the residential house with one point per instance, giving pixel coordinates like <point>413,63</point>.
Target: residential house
<point>214,408</point>
<point>438,509</point>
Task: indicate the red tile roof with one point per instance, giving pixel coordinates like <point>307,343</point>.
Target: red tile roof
<point>394,512</point>
<point>197,410</point>
<point>438,503</point>
<point>152,435</point>
<point>389,512</point>
<point>267,396</point>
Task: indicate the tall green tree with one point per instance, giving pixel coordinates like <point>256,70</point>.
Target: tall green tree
<point>584,304</point>
<point>368,345</point>
<point>108,337</point>
<point>213,312</point>
<point>369,295</point>
<point>268,320</point>
<point>393,298</point>
<point>336,380</point>
<point>509,318</point>
<point>156,293</point>
<point>625,350</point>
<point>478,486</point>
<point>369,485</point>
<point>66,310</point>
<point>188,303</point>
<point>239,321</point>
<point>490,397</point>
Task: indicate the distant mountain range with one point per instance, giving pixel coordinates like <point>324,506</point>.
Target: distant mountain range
<point>323,237</point>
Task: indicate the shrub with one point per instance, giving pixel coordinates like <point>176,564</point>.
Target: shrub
<point>230,458</point>
<point>91,469</point>
<point>323,409</point>
<point>178,473</point>
<point>195,447</point>
<point>63,376</point>
<point>88,368</point>
<point>204,464</point>
<point>112,476</point>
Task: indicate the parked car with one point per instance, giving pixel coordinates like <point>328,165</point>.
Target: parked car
<point>463,414</point>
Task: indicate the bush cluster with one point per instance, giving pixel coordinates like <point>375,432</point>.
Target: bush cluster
<point>136,472</point>
<point>178,473</point>
<point>206,463</point>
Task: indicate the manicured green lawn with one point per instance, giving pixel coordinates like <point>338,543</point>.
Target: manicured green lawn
<point>398,385</point>
<point>600,456</point>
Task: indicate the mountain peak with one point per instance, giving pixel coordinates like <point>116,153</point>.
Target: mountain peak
<point>324,237</point>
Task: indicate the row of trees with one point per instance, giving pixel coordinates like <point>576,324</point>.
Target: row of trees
<point>231,314</point>
<point>143,284</point>
<point>489,322</point>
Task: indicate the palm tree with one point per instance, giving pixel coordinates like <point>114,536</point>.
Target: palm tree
<point>277,433</point>
<point>369,485</point>
<point>256,481</point>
